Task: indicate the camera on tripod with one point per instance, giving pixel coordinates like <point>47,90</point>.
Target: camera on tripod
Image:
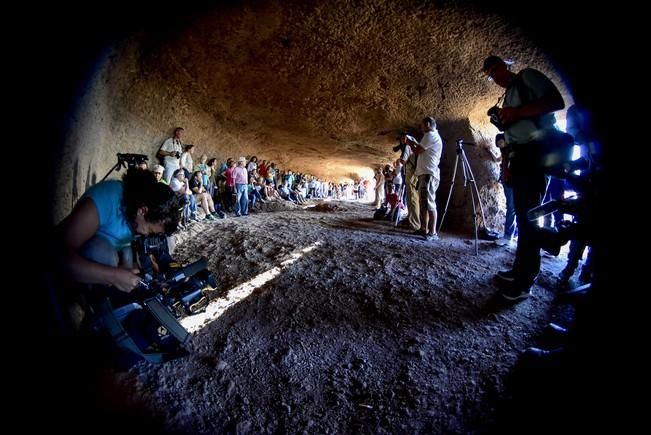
<point>131,160</point>
<point>494,116</point>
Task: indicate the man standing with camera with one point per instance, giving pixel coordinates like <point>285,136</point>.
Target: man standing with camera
<point>170,152</point>
<point>427,170</point>
<point>408,159</point>
<point>529,100</point>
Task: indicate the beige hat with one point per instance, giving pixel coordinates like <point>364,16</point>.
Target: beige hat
<point>242,159</point>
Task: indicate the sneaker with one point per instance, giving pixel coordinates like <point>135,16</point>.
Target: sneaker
<point>429,237</point>
<point>506,275</point>
<point>515,293</point>
<point>210,217</point>
<point>502,241</point>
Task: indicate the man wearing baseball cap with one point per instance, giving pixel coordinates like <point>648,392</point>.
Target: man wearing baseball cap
<point>529,102</point>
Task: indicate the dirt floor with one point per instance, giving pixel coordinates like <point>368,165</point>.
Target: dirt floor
<point>373,330</point>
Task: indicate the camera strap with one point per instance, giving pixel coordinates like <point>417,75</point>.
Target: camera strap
<point>500,99</point>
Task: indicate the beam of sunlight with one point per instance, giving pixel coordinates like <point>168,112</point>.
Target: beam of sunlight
<point>218,306</point>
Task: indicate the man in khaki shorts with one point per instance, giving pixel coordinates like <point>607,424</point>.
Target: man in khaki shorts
<point>427,170</point>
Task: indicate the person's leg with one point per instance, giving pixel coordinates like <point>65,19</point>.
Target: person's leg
<point>244,199</point>
<point>211,204</point>
<point>528,189</point>
<point>510,222</point>
<point>423,185</point>
<point>192,206</point>
<point>587,269</point>
<point>412,198</point>
<point>168,172</point>
<point>573,258</point>
<point>433,215</point>
<point>238,196</point>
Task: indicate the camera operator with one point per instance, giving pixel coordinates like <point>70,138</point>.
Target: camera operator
<point>170,152</point>
<point>409,160</point>
<point>427,170</point>
<point>103,223</point>
<point>529,100</point>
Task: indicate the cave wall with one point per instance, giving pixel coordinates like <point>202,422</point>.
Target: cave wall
<point>320,87</point>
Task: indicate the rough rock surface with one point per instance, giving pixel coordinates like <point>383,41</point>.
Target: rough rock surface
<point>321,88</point>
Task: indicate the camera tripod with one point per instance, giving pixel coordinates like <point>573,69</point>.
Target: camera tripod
<point>468,178</point>
<point>126,161</point>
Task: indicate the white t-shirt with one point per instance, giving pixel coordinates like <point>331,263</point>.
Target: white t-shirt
<point>428,159</point>
<point>171,145</point>
<point>186,161</point>
<point>177,185</point>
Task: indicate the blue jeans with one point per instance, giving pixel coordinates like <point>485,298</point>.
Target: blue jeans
<point>509,223</point>
<point>241,199</point>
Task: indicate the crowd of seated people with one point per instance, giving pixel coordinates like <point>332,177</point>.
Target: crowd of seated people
<point>212,189</point>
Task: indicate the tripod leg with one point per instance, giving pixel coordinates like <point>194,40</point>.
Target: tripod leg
<point>474,217</point>
<point>447,203</point>
<point>472,180</point>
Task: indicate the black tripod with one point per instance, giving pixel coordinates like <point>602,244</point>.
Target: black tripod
<point>468,177</point>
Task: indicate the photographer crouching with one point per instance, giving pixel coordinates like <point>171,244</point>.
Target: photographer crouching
<point>526,113</point>
<point>97,235</point>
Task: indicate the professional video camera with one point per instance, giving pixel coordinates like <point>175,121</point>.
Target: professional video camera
<point>131,160</point>
<point>184,290</point>
<point>147,324</point>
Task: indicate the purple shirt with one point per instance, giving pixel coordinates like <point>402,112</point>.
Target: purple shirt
<point>240,175</point>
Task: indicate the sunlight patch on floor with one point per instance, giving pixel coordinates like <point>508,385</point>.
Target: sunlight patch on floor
<point>219,306</point>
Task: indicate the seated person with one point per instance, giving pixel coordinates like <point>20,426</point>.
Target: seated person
<point>392,203</point>
<point>203,197</point>
<point>158,173</point>
<point>285,193</point>
<point>181,187</point>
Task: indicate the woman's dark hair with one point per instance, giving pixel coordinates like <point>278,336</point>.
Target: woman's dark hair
<point>211,161</point>
<point>142,190</point>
